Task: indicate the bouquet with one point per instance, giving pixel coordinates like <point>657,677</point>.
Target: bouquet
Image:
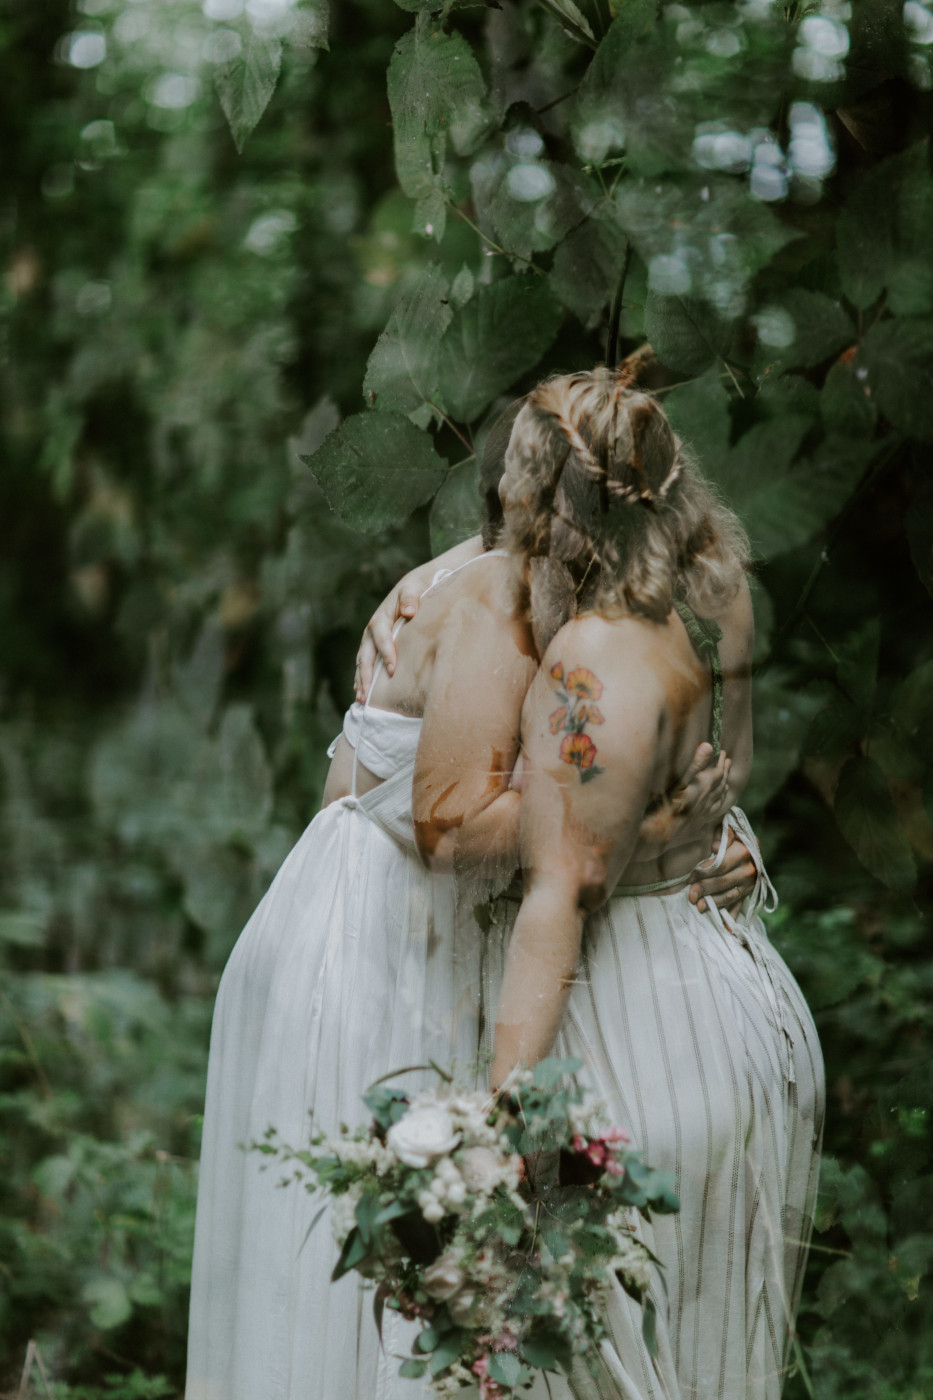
<point>505,1266</point>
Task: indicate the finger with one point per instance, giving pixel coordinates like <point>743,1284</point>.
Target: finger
<point>365,665</point>
<point>380,630</point>
<point>409,600</point>
<point>715,885</point>
<point>696,765</point>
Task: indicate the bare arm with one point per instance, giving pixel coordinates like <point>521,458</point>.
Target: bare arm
<point>403,602</point>
<point>578,833</point>
<point>466,812</point>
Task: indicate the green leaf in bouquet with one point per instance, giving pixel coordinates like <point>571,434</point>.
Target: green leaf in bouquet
<point>392,1211</point>
<point>412,1369</point>
<point>548,1349</point>
<point>649,1326</point>
<point>386,1105</point>
<point>549,1072</point>
<point>506,1369</point>
<point>376,468</point>
<point>555,1240</point>
<point>447,1350</point>
<point>501,333</point>
<point>367,1214</point>
<point>310,1230</point>
<point>427,1340</point>
<point>353,1253</point>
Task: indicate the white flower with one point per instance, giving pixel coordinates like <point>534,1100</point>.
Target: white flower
<point>444,1277</point>
<point>481,1168</point>
<point>433,1212</point>
<point>423,1134</point>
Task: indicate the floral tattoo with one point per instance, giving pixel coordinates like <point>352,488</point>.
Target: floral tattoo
<point>577,690</point>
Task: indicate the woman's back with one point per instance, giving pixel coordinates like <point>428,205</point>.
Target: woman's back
<point>630,699</point>
<point>471,609</point>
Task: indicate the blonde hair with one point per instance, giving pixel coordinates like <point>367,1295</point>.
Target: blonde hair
<point>600,485</point>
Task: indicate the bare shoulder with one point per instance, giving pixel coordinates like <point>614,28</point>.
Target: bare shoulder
<point>600,677</point>
<point>624,653</point>
<point>737,620</point>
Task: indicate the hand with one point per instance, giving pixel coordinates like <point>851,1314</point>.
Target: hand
<point>700,798</point>
<point>377,640</point>
<point>731,884</point>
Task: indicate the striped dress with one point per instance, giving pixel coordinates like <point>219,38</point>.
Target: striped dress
<point>695,1034</point>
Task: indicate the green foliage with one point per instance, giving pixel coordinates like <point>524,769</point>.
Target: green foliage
<point>180,597</point>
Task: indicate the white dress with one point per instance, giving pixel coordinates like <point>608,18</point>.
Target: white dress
<point>358,962</point>
<point>350,967</point>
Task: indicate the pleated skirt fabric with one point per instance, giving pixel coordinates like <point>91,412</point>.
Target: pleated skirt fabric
<point>358,962</point>
<point>348,969</point>
<point>698,1040</point>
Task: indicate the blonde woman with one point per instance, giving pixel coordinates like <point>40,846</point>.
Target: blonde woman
<point>690,1025</point>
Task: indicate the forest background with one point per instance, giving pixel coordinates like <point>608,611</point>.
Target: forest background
<point>243,390</point>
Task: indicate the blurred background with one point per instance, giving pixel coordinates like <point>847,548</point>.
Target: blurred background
<point>183,323</point>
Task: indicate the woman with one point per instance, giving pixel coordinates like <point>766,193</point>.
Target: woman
<point>357,962</point>
<point>691,1027</point>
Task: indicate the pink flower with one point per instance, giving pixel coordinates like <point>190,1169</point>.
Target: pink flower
<point>597,1153</point>
<point>480,1367</point>
<point>580,1144</point>
<point>614,1168</point>
<point>614,1135</point>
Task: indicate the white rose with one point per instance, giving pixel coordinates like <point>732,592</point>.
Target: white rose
<point>480,1168</point>
<point>444,1277</point>
<point>422,1135</point>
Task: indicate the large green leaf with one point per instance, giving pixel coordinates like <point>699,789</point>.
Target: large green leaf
<point>782,713</point>
<point>814,328</point>
<point>376,468</point>
<point>246,83</point>
<point>456,512</point>
<point>699,414</point>
<point>402,370</point>
<point>500,334</point>
<point>846,403</point>
<point>700,237</point>
<point>436,93</point>
<point>530,203</point>
<point>600,114</point>
<point>587,265</point>
<point>868,820</point>
<point>884,235</point>
<point>784,511</point>
<point>898,357</point>
<point>685,334</point>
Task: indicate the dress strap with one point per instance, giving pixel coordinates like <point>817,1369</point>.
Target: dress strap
<point>705,635</point>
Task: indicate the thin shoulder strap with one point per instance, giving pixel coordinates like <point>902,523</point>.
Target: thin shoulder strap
<point>705,635</point>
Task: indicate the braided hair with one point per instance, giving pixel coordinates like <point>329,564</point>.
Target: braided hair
<point>601,486</point>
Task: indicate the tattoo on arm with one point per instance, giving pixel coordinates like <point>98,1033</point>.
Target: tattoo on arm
<point>577,690</point>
